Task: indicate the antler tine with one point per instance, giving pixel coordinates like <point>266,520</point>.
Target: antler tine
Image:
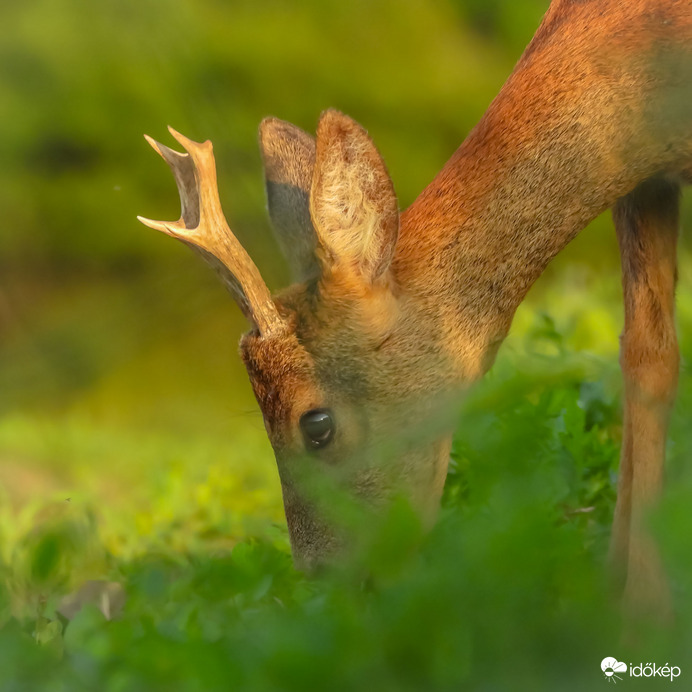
<point>203,227</point>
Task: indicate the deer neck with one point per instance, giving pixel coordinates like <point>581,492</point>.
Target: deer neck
<point>561,142</point>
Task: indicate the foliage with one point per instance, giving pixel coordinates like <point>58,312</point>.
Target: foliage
<point>131,450</point>
<point>507,592</point>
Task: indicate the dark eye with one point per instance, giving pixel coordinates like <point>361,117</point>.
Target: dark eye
<point>318,428</point>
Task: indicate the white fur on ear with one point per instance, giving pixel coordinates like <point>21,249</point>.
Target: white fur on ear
<point>352,201</point>
<point>288,154</point>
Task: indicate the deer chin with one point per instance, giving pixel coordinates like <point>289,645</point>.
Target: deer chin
<point>314,543</point>
<point>331,513</point>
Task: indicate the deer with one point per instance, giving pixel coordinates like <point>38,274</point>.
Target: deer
<point>394,311</point>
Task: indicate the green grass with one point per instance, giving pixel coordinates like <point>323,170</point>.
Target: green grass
<point>132,451</point>
<point>508,591</point>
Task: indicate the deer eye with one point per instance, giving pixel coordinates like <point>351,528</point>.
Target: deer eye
<point>317,427</point>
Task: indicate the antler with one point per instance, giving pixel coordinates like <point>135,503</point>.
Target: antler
<point>203,227</point>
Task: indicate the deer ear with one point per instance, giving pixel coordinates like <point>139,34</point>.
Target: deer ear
<point>288,154</point>
<point>352,201</point>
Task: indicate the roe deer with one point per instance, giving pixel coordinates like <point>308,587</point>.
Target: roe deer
<point>393,311</point>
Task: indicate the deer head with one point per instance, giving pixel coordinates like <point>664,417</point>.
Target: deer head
<point>347,366</point>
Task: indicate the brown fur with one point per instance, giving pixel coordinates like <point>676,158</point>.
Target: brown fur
<point>406,310</point>
<point>646,221</point>
<point>288,154</point>
<point>352,200</point>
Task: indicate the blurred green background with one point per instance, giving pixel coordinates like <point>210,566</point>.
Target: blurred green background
<point>111,335</point>
<point>122,399</point>
<point>117,347</point>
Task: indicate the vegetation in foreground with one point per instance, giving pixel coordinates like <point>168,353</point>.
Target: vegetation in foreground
<point>131,450</point>
<point>507,592</point>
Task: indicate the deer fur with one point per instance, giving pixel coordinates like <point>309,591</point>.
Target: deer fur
<point>398,312</point>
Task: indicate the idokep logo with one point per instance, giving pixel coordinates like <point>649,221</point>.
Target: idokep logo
<point>615,670</point>
<point>611,667</point>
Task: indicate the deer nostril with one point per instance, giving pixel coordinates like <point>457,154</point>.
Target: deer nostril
<point>317,427</point>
